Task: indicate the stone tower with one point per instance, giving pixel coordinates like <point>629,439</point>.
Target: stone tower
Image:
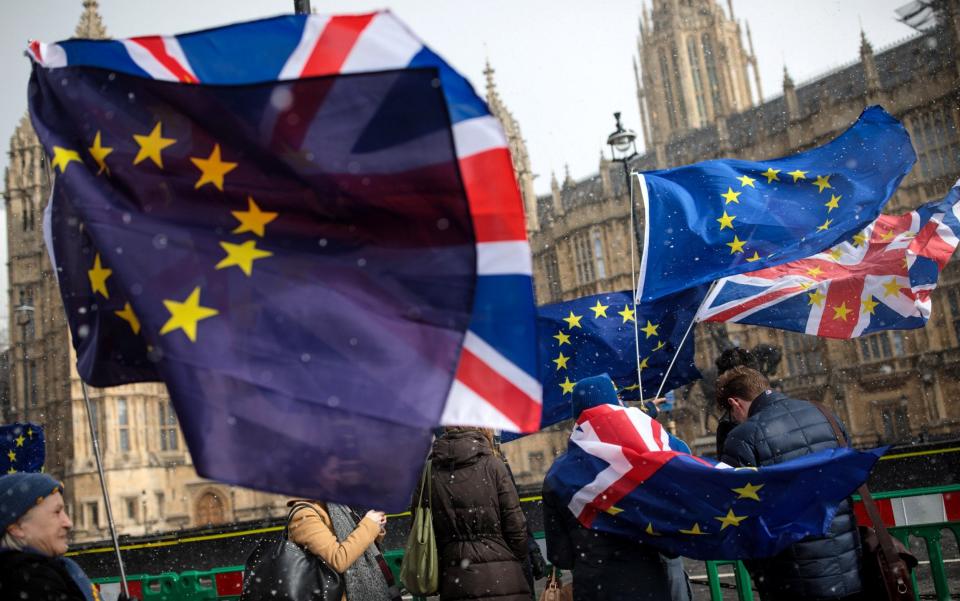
<point>518,150</point>
<point>693,68</point>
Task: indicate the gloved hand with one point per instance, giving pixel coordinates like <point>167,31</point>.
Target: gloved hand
<point>537,564</point>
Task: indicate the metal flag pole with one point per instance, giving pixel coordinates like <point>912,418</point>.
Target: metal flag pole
<point>103,487</point>
<point>676,353</point>
<point>633,275</point>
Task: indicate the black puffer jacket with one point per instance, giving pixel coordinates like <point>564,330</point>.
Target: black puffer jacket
<point>606,567</point>
<point>481,531</point>
<point>779,428</point>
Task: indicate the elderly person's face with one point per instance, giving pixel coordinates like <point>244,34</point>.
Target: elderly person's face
<point>45,526</point>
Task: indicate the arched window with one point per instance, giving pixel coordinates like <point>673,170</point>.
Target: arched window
<point>667,88</point>
<point>679,82</point>
<point>697,78</point>
<point>210,509</point>
<point>710,59</point>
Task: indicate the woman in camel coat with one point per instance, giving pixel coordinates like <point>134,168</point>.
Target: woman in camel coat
<point>330,532</point>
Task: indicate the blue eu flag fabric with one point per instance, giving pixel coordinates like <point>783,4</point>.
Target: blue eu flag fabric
<point>723,217</point>
<point>22,448</point>
<point>595,334</point>
<point>301,281</point>
<point>621,475</point>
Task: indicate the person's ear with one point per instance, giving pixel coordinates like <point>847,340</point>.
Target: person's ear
<point>15,530</point>
<point>731,402</point>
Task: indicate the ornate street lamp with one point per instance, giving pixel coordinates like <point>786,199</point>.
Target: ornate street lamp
<point>622,142</point>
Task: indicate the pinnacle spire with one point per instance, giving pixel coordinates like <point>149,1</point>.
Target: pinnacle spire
<point>787,80</point>
<point>91,25</point>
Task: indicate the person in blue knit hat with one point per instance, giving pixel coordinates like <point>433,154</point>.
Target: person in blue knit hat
<point>34,525</point>
<point>606,567</point>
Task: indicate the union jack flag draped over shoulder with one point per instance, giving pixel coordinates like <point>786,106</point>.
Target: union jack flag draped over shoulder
<point>619,475</point>
<point>879,280</point>
<point>308,227</point>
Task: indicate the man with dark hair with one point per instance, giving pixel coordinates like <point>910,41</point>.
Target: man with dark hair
<point>728,359</point>
<point>774,428</point>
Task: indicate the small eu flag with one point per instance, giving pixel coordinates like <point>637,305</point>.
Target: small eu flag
<point>595,334</point>
<point>22,448</point>
<point>723,217</point>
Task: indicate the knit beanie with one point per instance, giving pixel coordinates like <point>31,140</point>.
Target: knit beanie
<point>594,391</point>
<point>19,492</point>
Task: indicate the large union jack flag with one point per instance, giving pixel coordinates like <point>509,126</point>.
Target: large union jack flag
<point>620,475</point>
<point>879,280</point>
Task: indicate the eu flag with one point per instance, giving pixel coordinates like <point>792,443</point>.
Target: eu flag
<point>292,249</point>
<point>22,448</point>
<point>723,217</point>
<point>619,475</point>
<point>595,334</point>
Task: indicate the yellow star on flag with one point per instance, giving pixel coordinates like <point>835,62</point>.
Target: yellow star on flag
<point>650,329</point>
<point>599,310</point>
<point>99,154</point>
<point>804,285</point>
<point>253,219</point>
<point>127,315</point>
<point>836,253</point>
<point>887,236</point>
<point>798,175</point>
<point>816,298</point>
<point>660,345</point>
<point>695,530</point>
<point>841,311</point>
<point>859,239</point>
<point>746,180</point>
<point>98,277</point>
<point>825,225</point>
<point>823,181</point>
<point>649,530</point>
<point>614,510</point>
<point>730,519</point>
<point>626,314</point>
<point>731,196</point>
<point>566,386</point>
<point>11,471</point>
<point>644,364</point>
<point>869,305</point>
<point>562,338</point>
<point>212,169</point>
<point>20,440</point>
<point>561,361</point>
<point>755,257</point>
<point>771,174</point>
<point>748,491</point>
<point>242,256</point>
<point>891,288</point>
<point>185,315</point>
<point>737,245</point>
<point>833,203</point>
<point>726,221</point>
<point>151,145</point>
<point>63,157</point>
<point>573,321</point>
<point>814,271</point>
<point>12,455</point>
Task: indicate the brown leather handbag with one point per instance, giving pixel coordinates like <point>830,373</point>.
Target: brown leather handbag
<point>556,591</point>
<point>885,563</point>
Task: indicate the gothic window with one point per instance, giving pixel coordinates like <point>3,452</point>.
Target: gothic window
<point>803,354</point>
<point>896,422</point>
<point>123,424</point>
<point>714,82</point>
<point>537,462</point>
<point>168,427</point>
<point>667,88</point>
<point>161,501</point>
<point>601,268</point>
<point>91,515</point>
<point>583,258</point>
<point>935,137</point>
<point>210,510</point>
<point>882,345</point>
<point>697,79</point>
<point>953,299</point>
<point>131,506</point>
<point>553,277</point>
<point>676,73</point>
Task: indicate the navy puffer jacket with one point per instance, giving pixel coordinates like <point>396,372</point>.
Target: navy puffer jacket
<point>777,429</point>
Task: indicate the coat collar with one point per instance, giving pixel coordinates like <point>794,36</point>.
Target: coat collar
<point>765,398</point>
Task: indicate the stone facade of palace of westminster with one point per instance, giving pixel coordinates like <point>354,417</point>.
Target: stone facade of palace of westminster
<point>698,91</point>
<point>696,103</point>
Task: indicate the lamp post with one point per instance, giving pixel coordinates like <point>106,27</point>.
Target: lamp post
<point>301,7</point>
<point>24,317</point>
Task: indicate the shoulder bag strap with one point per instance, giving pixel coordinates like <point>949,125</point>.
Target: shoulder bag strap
<point>886,542</point>
<point>297,507</point>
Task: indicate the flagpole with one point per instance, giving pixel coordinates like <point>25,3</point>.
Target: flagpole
<point>633,276</point>
<point>676,353</point>
<point>103,487</point>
